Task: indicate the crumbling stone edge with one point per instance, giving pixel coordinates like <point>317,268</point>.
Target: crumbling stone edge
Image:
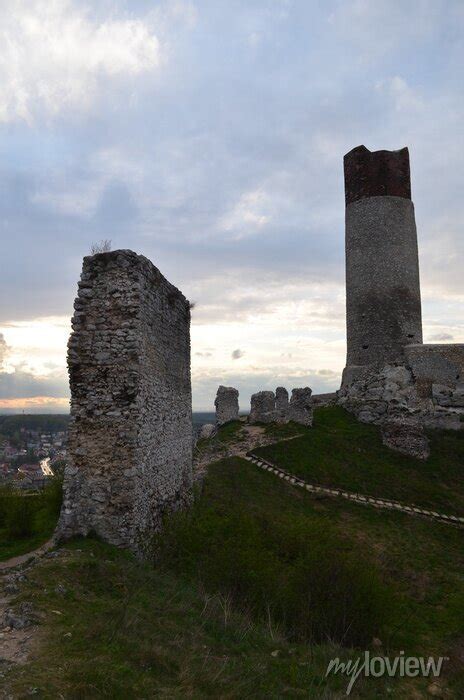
<point>385,503</point>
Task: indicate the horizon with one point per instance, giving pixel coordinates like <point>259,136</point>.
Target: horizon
<point>227,174</point>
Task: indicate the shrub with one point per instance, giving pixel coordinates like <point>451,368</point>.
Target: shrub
<point>23,515</point>
<point>18,515</point>
<point>104,246</point>
<point>305,577</point>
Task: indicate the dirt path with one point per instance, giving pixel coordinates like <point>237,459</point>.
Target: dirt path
<point>18,627</point>
<point>24,558</point>
<point>247,438</point>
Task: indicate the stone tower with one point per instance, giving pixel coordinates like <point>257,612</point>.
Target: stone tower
<point>130,438</point>
<point>383,305</point>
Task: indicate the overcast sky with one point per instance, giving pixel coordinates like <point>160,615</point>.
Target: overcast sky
<point>209,136</point>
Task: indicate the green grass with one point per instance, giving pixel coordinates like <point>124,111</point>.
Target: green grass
<point>284,430</point>
<point>181,629</point>
<point>230,432</point>
<point>248,540</point>
<point>258,567</point>
<point>27,520</point>
<point>122,629</point>
<point>340,452</point>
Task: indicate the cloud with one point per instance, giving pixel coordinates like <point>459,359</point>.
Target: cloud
<point>228,174</point>
<point>249,215</point>
<point>3,350</point>
<point>387,27</point>
<point>440,337</point>
<point>401,94</point>
<point>22,383</point>
<point>28,374</point>
<point>35,404</point>
<point>237,354</point>
<point>56,56</point>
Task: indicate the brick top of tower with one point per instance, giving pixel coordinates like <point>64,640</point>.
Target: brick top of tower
<point>376,173</point>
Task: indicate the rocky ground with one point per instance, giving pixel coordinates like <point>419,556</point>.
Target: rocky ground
<point>18,619</point>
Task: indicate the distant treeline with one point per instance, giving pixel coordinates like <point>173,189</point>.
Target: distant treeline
<point>54,423</point>
<point>201,417</point>
<point>44,423</point>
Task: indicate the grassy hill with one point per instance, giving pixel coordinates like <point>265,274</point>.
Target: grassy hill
<point>259,585</point>
<point>341,452</point>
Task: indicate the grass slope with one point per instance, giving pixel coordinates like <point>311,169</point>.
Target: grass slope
<point>259,585</point>
<point>114,628</point>
<point>27,520</point>
<point>340,452</point>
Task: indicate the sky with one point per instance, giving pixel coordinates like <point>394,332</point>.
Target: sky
<point>209,136</point>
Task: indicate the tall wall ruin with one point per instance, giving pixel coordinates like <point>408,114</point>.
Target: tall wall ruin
<point>130,440</point>
<point>226,404</point>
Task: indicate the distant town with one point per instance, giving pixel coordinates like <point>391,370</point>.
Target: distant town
<point>32,449</point>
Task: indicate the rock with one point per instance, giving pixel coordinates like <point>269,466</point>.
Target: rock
<point>329,399</point>
<point>226,404</point>
<point>281,404</point>
<point>300,409</point>
<point>399,375</point>
<point>262,407</point>
<point>207,431</point>
<point>406,437</point>
<point>21,619</point>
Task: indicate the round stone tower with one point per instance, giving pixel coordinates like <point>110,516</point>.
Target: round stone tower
<point>383,306</point>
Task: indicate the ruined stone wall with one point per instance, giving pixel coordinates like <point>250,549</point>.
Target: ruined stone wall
<point>226,404</point>
<point>438,371</point>
<point>300,409</point>
<point>427,390</point>
<point>262,409</point>
<point>267,407</point>
<point>281,404</point>
<point>130,440</point>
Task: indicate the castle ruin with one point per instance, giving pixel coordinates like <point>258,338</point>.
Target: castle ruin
<point>130,439</point>
<point>383,304</point>
<point>267,407</point>
<point>390,374</point>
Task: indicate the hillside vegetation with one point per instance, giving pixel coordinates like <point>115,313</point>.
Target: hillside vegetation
<point>341,452</point>
<point>259,585</point>
<point>27,520</point>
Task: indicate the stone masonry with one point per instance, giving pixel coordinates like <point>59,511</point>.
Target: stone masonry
<point>267,407</point>
<point>226,404</point>
<point>281,404</point>
<point>130,440</point>
<point>300,409</point>
<point>262,407</point>
<point>383,305</point>
<point>406,437</point>
<point>391,378</point>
